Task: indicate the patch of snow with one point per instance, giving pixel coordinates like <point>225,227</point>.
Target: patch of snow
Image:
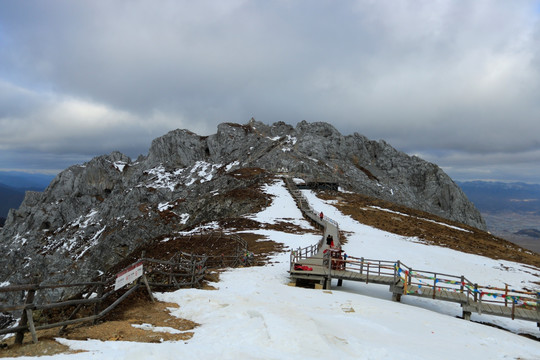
<point>184,218</point>
<point>282,209</point>
<point>120,165</point>
<point>424,219</point>
<point>5,283</point>
<point>214,225</point>
<point>163,179</point>
<point>165,206</point>
<point>93,242</point>
<point>83,222</point>
<point>202,171</point>
<point>231,165</point>
<point>373,243</point>
<point>291,139</point>
<point>162,329</point>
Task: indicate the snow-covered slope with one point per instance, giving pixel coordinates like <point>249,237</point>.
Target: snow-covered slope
<point>255,315</point>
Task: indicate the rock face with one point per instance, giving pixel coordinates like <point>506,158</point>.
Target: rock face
<point>93,215</point>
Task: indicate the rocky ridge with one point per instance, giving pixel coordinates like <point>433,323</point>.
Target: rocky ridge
<point>94,215</point>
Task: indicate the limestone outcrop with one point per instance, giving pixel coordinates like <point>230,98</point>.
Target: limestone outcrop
<point>93,215</point>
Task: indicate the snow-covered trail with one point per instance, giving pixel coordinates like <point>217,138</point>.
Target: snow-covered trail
<point>255,315</point>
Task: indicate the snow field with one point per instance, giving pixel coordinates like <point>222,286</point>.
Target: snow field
<point>255,315</point>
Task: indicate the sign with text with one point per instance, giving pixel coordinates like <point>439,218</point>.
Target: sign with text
<point>129,275</point>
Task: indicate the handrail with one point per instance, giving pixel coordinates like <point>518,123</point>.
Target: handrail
<point>194,270</point>
<point>412,280</point>
<point>475,293</point>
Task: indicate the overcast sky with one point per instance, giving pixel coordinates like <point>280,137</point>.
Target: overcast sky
<point>455,82</point>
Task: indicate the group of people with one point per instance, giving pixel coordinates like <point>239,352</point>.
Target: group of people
<point>330,240</point>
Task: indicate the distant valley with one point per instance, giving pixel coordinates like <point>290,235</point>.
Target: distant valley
<point>13,186</point>
<point>511,210</point>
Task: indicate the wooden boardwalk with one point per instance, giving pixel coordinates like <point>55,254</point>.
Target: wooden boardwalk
<point>319,264</point>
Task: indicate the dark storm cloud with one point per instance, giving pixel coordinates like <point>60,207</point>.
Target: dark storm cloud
<point>430,77</point>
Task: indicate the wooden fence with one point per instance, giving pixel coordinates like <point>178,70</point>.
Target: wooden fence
<point>96,299</point>
<point>36,311</point>
<point>415,281</point>
<point>238,255</point>
<point>441,286</point>
<point>181,270</point>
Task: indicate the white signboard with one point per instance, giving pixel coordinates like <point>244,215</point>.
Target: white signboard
<point>128,275</point>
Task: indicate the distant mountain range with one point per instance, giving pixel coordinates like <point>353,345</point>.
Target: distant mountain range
<point>25,181</point>
<point>13,186</point>
<point>511,210</point>
<point>497,197</point>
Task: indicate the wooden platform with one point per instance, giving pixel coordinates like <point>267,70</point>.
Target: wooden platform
<point>443,287</point>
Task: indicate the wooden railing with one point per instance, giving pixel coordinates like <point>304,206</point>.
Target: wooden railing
<point>181,270</point>
<point>37,312</point>
<point>412,281</point>
<point>302,253</point>
<point>473,292</point>
<point>365,266</point>
<point>240,256</point>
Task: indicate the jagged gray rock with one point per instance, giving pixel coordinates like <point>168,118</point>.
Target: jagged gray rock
<point>93,215</point>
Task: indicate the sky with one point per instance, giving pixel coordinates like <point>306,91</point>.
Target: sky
<point>455,82</point>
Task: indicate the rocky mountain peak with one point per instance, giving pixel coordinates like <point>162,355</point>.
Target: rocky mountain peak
<point>93,215</point>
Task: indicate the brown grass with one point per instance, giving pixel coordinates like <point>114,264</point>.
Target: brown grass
<point>416,223</point>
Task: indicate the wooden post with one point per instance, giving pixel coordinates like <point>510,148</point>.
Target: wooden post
<point>513,309</point>
<point>538,307</point>
<point>97,305</point>
<point>192,272</point>
<point>30,318</point>
<point>24,317</point>
<point>367,273</point>
<point>406,282</point>
<point>329,284</point>
<point>505,295</point>
<point>462,284</point>
<point>361,265</point>
<point>479,305</point>
<point>475,292</point>
<point>145,280</point>
<point>434,286</point>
